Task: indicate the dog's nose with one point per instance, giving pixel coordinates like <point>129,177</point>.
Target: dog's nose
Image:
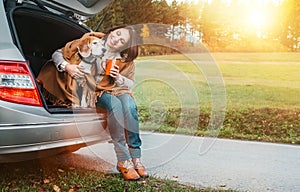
<point>103,50</point>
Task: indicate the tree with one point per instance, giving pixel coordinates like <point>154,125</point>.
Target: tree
<point>290,22</point>
<point>196,14</point>
<point>219,24</point>
<point>211,24</point>
<point>138,12</point>
<point>165,13</point>
<point>109,17</point>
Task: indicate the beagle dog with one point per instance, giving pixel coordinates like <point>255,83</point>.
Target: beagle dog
<point>89,49</point>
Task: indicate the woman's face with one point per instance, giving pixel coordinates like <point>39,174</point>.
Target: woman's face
<point>117,39</point>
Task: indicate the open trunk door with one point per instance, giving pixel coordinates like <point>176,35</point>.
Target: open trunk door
<point>78,9</point>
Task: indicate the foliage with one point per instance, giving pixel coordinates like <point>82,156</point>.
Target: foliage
<point>109,17</point>
<point>48,175</point>
<point>290,23</point>
<point>262,95</point>
<point>220,26</point>
<point>264,124</point>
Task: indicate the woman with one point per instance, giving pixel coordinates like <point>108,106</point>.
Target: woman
<point>114,95</point>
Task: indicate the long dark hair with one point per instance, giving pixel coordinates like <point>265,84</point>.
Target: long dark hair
<point>131,48</point>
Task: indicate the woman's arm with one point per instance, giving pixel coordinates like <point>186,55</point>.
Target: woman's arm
<point>124,82</point>
<point>59,60</point>
<point>62,65</point>
<point>123,78</point>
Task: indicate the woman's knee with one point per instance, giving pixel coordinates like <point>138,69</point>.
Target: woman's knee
<point>129,106</point>
<point>109,103</point>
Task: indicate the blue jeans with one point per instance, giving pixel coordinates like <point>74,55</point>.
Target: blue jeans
<point>123,124</point>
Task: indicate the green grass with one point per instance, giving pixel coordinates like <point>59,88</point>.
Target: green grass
<point>173,95</point>
<point>255,87</point>
<point>258,57</point>
<point>45,176</point>
<point>238,57</point>
<point>277,84</point>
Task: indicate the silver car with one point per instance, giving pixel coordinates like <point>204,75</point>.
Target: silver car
<point>30,126</point>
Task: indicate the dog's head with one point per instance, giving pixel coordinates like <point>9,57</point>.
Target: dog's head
<point>91,46</point>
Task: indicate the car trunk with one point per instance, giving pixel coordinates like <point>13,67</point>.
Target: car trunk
<point>38,43</point>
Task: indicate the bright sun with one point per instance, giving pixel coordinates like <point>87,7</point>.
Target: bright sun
<point>257,19</point>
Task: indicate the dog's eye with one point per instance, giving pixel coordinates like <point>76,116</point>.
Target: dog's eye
<point>95,42</point>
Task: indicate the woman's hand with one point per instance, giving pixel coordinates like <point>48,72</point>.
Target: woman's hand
<point>114,72</point>
<point>75,71</point>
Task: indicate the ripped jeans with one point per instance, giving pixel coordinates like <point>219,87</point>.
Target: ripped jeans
<point>123,124</point>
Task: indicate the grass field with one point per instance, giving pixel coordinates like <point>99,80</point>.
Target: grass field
<point>260,91</point>
<point>47,176</point>
<point>176,94</point>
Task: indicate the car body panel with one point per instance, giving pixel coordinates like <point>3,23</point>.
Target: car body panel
<point>28,138</point>
<point>81,7</point>
<point>25,129</point>
<point>28,132</point>
<point>8,50</point>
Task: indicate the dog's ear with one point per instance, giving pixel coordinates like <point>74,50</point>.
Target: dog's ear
<point>84,48</point>
<point>94,34</point>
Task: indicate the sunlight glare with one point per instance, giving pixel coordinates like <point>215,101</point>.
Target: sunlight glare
<point>257,19</point>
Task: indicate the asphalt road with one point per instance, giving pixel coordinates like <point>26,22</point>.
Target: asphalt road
<point>208,162</point>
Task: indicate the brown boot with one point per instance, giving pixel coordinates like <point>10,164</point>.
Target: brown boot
<point>139,167</point>
<point>127,170</point>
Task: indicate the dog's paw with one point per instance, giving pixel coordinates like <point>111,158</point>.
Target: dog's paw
<point>75,106</point>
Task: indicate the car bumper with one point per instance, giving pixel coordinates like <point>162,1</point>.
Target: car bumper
<point>18,143</point>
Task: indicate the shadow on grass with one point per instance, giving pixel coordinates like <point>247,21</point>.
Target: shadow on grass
<point>69,173</point>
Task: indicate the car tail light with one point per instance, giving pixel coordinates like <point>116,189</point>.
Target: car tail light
<point>17,84</point>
